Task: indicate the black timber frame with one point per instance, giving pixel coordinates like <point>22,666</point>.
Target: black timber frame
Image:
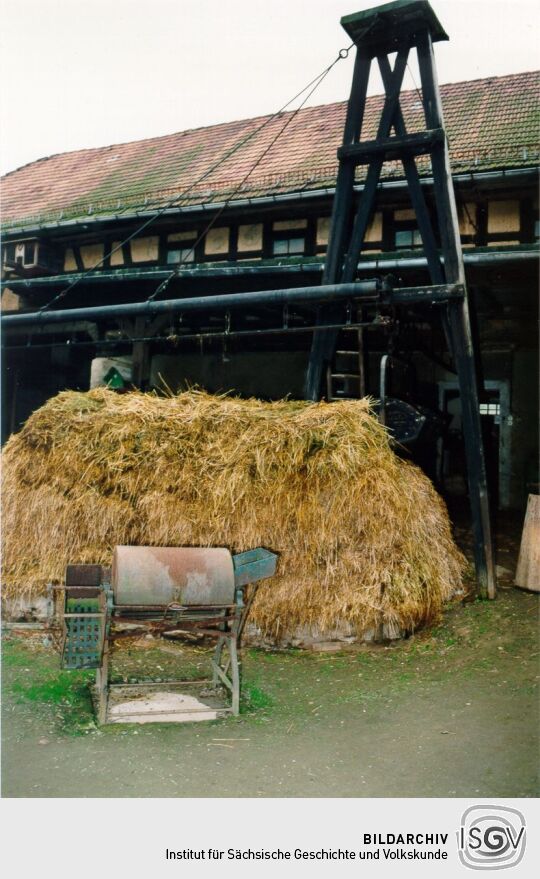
<point>347,234</point>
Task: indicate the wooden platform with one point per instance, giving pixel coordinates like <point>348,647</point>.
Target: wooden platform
<point>163,703</point>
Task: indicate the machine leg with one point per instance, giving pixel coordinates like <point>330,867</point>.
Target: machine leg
<point>460,332</point>
<point>235,676</point>
<point>102,686</point>
<point>220,674</point>
<point>217,660</point>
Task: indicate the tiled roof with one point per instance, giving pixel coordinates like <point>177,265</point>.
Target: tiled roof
<point>491,123</point>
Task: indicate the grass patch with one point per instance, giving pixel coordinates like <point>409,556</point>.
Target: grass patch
<point>32,676</point>
<point>255,699</point>
<point>62,689</point>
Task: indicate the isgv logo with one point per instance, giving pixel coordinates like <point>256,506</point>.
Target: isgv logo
<point>491,837</point>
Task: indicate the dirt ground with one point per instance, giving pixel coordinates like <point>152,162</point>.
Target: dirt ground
<point>449,712</point>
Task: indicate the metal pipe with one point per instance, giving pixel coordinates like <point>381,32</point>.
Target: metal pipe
<point>473,259</point>
<point>383,264</point>
<point>198,337</point>
<point>320,293</point>
<point>103,276</point>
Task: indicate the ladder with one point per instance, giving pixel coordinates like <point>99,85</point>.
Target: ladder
<point>345,376</point>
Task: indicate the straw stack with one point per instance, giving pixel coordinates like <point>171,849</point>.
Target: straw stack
<point>363,537</point>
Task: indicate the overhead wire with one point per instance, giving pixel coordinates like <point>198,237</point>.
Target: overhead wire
<point>472,222</point>
<point>164,284</point>
<point>315,82</point>
<point>418,92</point>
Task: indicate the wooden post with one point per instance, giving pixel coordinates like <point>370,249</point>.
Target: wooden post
<point>324,341</point>
<point>235,676</point>
<point>13,407</point>
<point>102,685</point>
<point>140,372</point>
<point>459,324</point>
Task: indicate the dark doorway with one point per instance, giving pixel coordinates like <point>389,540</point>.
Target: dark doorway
<point>451,463</point>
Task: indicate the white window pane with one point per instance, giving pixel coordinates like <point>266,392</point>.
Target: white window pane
<point>490,409</point>
<point>281,246</point>
<point>296,245</point>
<point>404,238</point>
<point>179,256</point>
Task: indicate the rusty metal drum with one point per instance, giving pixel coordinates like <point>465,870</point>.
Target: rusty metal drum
<point>163,575</point>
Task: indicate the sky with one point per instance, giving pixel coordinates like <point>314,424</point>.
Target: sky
<point>86,73</point>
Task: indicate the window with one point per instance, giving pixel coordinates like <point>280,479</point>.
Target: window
<point>9,254</point>
<point>285,246</point>
<point>401,230</point>
<point>490,409</point>
<point>289,237</point>
<point>179,247</point>
<point>29,250</point>
<point>180,255</point>
<point>408,239</point>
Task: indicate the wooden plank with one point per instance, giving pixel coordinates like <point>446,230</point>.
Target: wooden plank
<point>528,566</point>
<point>221,675</point>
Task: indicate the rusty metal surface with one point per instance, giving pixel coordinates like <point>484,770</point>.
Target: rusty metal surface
<point>162,575</point>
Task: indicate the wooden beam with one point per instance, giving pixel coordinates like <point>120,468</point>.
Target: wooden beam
<point>415,190</point>
<point>324,341</point>
<point>458,325</point>
<point>365,207</point>
<point>343,198</point>
<point>392,147</point>
<point>140,370</point>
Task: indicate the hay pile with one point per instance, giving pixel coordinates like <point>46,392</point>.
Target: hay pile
<point>363,537</point>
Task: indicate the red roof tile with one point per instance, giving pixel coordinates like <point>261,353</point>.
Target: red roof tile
<point>491,123</point>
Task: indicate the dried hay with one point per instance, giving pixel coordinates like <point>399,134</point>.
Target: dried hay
<point>363,537</point>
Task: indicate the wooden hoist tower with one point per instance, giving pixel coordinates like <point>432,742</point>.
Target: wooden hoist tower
<point>398,29</point>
